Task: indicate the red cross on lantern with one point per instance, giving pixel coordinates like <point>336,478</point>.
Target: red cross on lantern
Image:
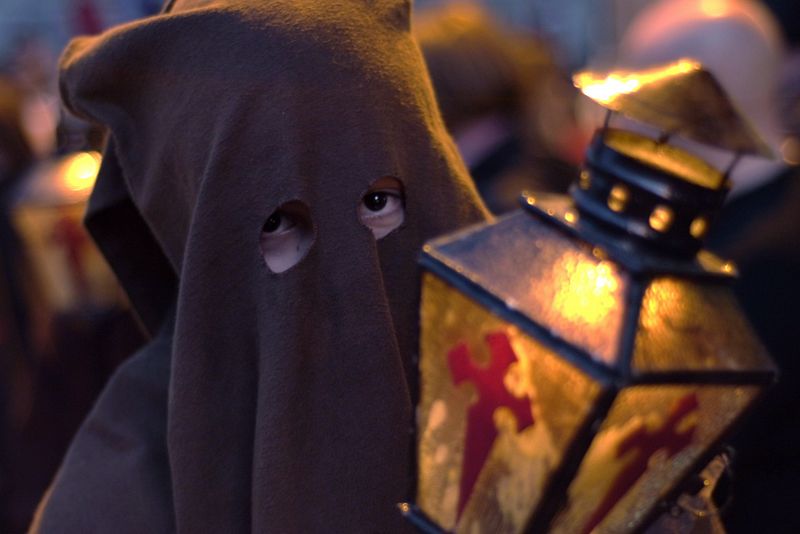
<point>646,443</point>
<point>492,394</point>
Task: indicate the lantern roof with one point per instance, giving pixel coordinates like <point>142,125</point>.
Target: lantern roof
<point>679,98</point>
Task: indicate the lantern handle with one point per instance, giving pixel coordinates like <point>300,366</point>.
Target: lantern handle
<point>607,121</point>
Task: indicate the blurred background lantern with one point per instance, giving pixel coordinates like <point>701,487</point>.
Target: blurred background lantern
<point>68,271</point>
<point>582,357</point>
<point>70,316</point>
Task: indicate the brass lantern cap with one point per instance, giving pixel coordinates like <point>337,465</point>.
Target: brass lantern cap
<point>679,98</point>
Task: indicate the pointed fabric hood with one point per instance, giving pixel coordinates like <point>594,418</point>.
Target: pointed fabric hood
<point>290,397</point>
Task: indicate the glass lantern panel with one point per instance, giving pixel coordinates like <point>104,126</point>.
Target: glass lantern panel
<point>686,326</point>
<point>650,440</point>
<point>497,411</point>
<point>557,281</point>
<point>67,268</point>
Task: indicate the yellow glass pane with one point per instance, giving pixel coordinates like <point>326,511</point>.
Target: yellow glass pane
<point>66,267</point>
<point>689,326</point>
<point>651,438</point>
<point>497,410</point>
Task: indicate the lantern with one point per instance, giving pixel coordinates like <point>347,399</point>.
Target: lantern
<point>581,357</point>
<point>65,268</point>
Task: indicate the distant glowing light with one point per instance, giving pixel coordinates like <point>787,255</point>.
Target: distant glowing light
<point>81,171</point>
<point>607,89</point>
<point>715,8</point>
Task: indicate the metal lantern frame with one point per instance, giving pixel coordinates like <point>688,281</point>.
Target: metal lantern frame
<point>636,242</point>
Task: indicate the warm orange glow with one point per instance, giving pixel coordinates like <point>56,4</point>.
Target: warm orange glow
<point>661,218</point>
<point>618,198</point>
<point>790,151</point>
<point>665,157</point>
<point>606,90</point>
<point>81,171</point>
<point>699,227</point>
<point>662,292</point>
<point>715,8</point>
<point>587,292</point>
<point>585,180</point>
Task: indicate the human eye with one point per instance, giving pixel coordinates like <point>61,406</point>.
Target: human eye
<point>286,236</point>
<point>278,223</point>
<point>382,208</point>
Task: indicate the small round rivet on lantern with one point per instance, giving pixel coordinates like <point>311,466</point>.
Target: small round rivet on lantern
<point>661,218</point>
<point>618,198</point>
<point>585,180</point>
<point>699,227</point>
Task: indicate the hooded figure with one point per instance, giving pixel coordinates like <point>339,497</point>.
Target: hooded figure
<point>278,395</point>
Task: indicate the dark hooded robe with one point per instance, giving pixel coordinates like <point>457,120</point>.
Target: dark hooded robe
<point>267,402</point>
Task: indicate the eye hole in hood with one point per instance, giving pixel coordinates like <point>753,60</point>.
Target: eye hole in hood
<point>286,236</point>
<point>382,207</point>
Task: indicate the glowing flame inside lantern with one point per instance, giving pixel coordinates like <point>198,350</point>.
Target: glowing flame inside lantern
<point>587,292</point>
